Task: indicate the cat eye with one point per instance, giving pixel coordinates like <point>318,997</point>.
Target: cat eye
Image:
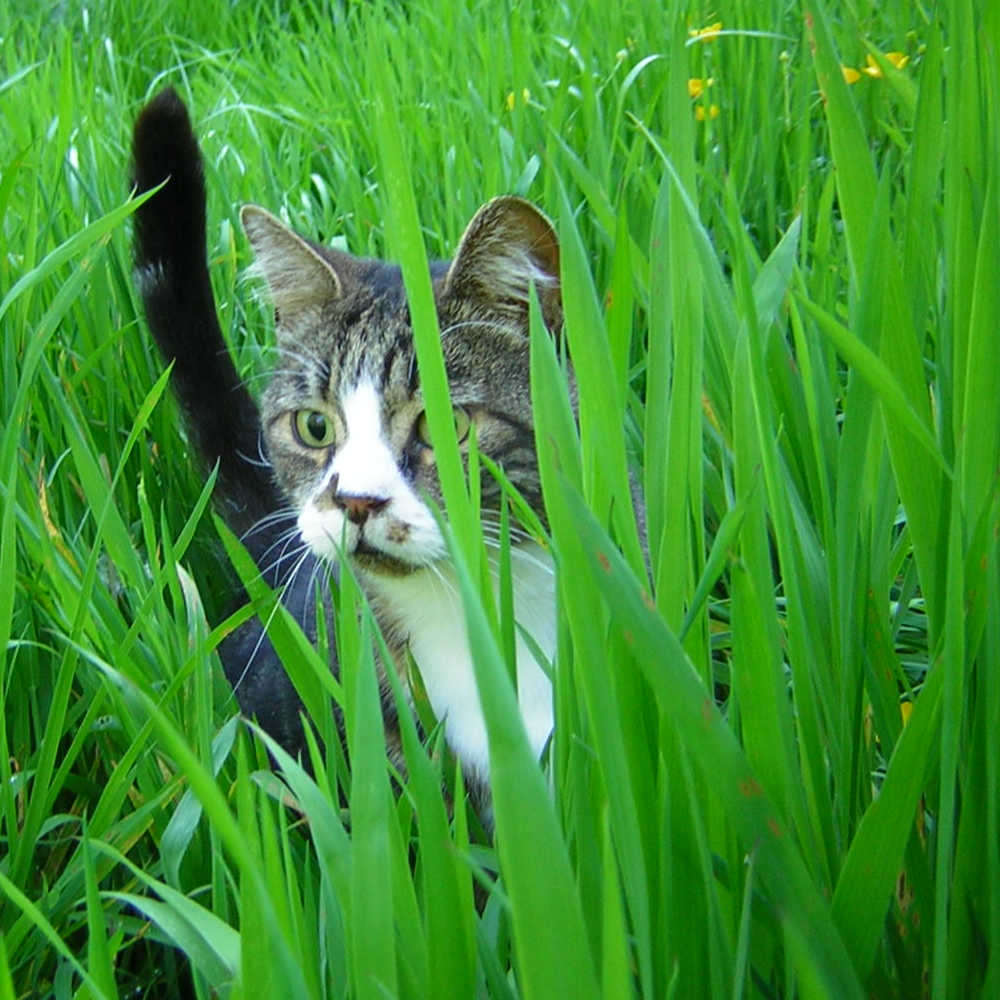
<point>313,428</point>
<point>462,424</point>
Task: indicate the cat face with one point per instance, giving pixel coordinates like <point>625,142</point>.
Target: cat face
<point>344,417</point>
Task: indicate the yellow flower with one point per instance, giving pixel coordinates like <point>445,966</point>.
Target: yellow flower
<point>706,34</point>
<point>511,99</point>
<point>905,711</point>
<point>701,114</point>
<point>872,69</point>
<point>697,86</point>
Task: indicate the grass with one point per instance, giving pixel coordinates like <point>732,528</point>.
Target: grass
<point>775,766</point>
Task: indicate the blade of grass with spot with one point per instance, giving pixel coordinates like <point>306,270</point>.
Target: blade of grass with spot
<point>713,749</point>
<point>619,304</point>
<point>759,685</point>
<point>740,964</point>
<point>792,742</point>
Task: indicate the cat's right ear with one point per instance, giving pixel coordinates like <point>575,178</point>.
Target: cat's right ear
<point>300,279</point>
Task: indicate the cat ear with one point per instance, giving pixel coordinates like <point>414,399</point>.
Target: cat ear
<point>508,245</point>
<point>299,277</point>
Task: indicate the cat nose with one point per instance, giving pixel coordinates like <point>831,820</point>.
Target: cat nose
<point>357,508</point>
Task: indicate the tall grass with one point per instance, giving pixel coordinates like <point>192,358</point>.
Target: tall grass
<point>775,767</point>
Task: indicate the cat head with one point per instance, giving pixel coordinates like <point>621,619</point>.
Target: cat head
<point>343,416</point>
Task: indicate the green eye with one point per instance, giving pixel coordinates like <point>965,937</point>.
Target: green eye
<point>313,428</point>
<point>462,424</point>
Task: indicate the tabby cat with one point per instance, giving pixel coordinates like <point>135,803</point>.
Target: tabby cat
<point>338,455</point>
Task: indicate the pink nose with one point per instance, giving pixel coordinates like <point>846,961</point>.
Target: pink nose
<point>357,508</point>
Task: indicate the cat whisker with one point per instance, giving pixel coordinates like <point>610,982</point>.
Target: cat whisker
<point>260,448</point>
<point>492,518</point>
<point>290,372</point>
<point>259,463</point>
<point>319,565</point>
<point>306,357</point>
<point>271,570</point>
<point>518,555</point>
<point>266,625</point>
<point>465,323</point>
<point>446,584</point>
<point>309,361</point>
<point>284,513</point>
<point>516,534</point>
<point>285,541</point>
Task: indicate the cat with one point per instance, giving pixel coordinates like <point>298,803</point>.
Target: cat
<point>348,466</point>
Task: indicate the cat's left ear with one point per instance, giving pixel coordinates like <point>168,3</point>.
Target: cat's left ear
<point>508,245</point>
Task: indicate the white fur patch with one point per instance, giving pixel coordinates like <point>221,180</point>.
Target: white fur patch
<point>149,277</point>
<point>511,271</point>
<point>427,606</point>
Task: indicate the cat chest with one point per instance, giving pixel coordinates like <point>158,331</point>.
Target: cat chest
<point>427,609</point>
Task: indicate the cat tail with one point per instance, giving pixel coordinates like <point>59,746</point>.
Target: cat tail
<point>172,268</point>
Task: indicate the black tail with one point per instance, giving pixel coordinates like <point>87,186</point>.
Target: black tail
<point>170,255</point>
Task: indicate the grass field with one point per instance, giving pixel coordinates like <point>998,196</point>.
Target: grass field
<point>777,776</point>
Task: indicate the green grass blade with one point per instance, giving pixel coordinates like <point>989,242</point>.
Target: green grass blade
<point>99,959</point>
<point>373,936</point>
